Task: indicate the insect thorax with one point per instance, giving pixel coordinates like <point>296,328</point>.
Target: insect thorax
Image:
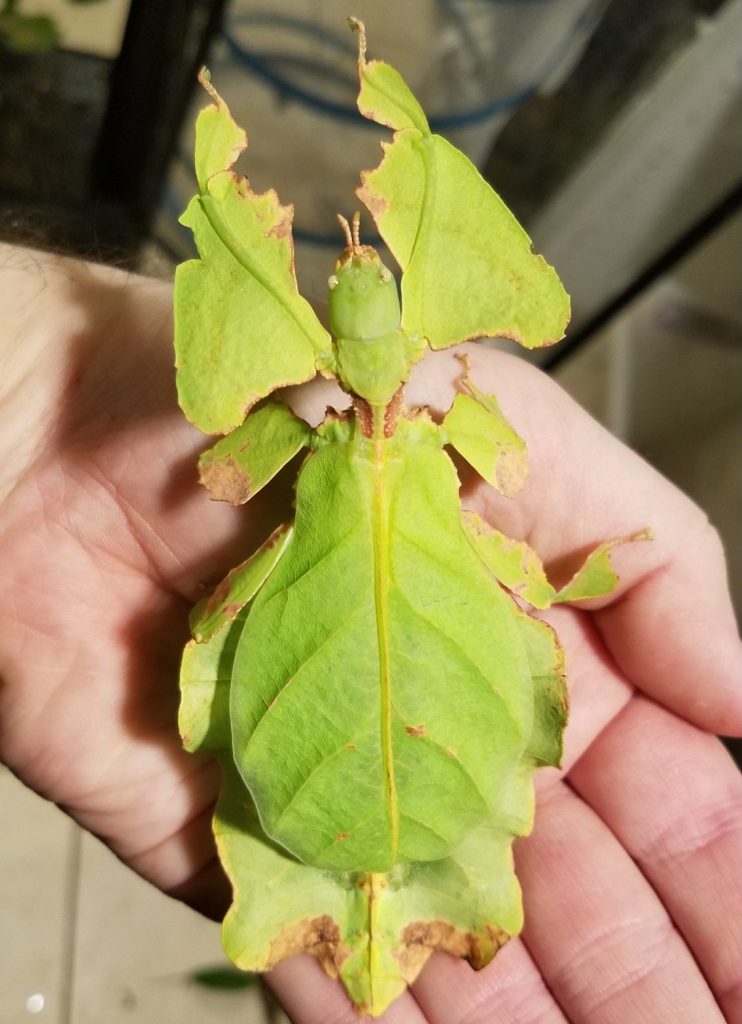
<point>372,351</point>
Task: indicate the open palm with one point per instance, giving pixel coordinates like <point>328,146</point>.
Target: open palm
<point>106,541</point>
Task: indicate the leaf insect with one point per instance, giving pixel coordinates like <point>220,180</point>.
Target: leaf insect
<point>377,697</point>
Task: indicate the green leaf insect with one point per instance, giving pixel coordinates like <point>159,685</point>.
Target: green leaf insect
<point>377,697</point>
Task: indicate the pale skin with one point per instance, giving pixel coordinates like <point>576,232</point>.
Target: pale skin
<point>631,877</point>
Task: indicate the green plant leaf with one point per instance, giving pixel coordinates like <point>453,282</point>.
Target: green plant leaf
<point>241,327</point>
<point>27,33</point>
<point>469,270</point>
<point>243,462</point>
<point>519,568</point>
<point>476,428</point>
<point>219,977</point>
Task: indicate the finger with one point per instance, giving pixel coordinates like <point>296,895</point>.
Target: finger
<point>673,797</point>
<point>510,990</point>
<point>605,945</point>
<point>208,890</point>
<point>310,997</point>
<point>670,626</point>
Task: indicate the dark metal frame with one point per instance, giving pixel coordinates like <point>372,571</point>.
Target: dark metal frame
<point>165,43</point>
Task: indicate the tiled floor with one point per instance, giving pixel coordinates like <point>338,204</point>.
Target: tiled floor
<point>36,852</point>
<point>85,941</point>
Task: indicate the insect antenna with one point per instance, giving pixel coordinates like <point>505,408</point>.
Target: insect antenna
<point>349,240</point>
<point>352,234</point>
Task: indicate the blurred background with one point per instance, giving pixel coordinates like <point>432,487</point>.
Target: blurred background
<point>611,128</point>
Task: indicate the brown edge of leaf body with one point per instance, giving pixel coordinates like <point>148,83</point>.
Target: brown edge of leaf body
<point>509,481</point>
<point>226,481</point>
<point>442,935</point>
<point>318,936</point>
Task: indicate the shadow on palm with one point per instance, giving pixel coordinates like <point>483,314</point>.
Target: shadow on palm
<point>108,540</point>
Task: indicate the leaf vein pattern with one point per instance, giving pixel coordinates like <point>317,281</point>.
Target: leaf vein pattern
<point>249,266</point>
<point>317,562</point>
<point>430,553</point>
<point>382,576</point>
<point>457,646</point>
<point>307,779</point>
<point>424,825</point>
<point>429,741</point>
<point>350,828</point>
<point>345,624</point>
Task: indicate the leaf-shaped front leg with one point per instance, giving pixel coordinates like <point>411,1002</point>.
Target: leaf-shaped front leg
<point>469,270</point>
<point>241,327</point>
<point>519,568</point>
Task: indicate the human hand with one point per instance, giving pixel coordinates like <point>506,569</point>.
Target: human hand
<point>630,878</point>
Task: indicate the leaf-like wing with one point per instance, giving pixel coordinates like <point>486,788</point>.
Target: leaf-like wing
<point>519,568</point>
<point>243,462</point>
<point>399,710</point>
<point>241,327</point>
<point>476,427</point>
<point>468,267</point>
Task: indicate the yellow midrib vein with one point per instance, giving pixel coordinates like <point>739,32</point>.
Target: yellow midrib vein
<point>381,578</point>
